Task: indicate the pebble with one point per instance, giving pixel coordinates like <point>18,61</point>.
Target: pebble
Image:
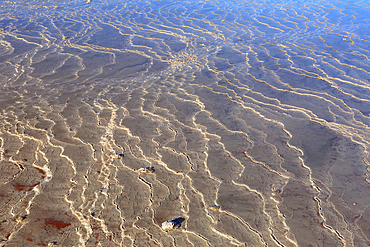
<point>215,208</point>
<point>172,224</point>
<point>168,225</point>
<point>146,170</point>
<point>118,156</point>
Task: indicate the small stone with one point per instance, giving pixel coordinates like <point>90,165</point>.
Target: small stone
<point>172,224</point>
<point>276,192</point>
<point>146,170</point>
<point>168,225</point>
<point>215,208</point>
<point>118,156</point>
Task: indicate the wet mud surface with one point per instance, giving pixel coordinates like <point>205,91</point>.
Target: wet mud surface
<point>239,123</point>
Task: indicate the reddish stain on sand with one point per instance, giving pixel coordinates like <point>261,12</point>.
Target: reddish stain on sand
<point>5,153</point>
<point>40,170</point>
<point>19,187</point>
<point>56,223</point>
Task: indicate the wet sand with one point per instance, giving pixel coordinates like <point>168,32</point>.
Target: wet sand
<point>246,124</point>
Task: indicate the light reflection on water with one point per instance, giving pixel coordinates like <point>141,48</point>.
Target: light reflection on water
<point>247,120</point>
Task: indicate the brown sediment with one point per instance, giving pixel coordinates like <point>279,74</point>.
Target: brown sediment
<point>56,223</point>
<point>21,187</point>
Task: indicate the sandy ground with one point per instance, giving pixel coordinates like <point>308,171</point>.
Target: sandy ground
<point>110,128</point>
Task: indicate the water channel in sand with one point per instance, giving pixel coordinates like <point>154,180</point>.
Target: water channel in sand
<point>252,118</point>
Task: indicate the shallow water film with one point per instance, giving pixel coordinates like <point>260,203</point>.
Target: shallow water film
<point>184,123</point>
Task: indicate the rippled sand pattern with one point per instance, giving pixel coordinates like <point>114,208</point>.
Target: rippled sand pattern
<point>245,122</point>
